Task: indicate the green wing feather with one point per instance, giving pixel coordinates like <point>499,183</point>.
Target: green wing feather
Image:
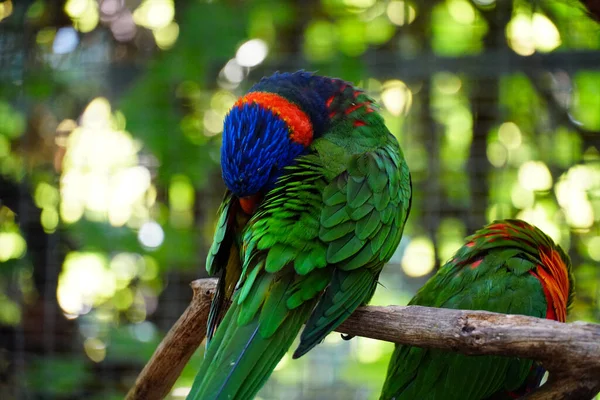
<point>359,241</point>
<point>312,251</point>
<point>223,260</point>
<point>491,275</point>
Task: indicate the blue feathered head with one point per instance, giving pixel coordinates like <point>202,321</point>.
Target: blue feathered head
<point>269,127</point>
<point>256,146</point>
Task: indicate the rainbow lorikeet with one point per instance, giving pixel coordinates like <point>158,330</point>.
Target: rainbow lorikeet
<point>508,267</point>
<point>318,193</point>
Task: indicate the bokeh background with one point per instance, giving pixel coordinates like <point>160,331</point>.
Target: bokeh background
<point>110,120</point>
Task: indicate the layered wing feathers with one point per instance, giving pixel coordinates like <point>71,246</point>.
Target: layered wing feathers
<point>496,281</point>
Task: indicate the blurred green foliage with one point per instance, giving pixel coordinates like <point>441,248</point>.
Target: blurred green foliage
<point>109,159</point>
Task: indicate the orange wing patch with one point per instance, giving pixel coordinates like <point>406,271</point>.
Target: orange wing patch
<point>301,129</point>
<point>554,278</point>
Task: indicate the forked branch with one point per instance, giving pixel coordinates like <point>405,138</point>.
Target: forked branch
<point>571,352</point>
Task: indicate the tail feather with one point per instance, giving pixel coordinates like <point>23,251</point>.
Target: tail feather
<point>347,291</point>
<point>257,379</point>
<point>239,360</point>
<point>215,314</point>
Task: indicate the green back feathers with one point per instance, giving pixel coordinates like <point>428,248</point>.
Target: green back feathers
<point>494,271</point>
<point>311,253</point>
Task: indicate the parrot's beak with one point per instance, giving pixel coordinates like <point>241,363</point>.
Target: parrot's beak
<point>250,203</point>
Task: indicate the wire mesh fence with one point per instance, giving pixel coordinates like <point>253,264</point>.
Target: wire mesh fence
<point>109,174</point>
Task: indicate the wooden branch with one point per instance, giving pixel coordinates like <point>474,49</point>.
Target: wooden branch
<point>571,352</point>
<point>160,373</point>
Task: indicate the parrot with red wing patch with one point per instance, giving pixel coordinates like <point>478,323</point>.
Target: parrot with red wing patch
<point>509,267</point>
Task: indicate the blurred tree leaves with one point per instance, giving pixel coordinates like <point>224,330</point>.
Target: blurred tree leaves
<point>58,376</point>
<point>210,32</point>
<point>587,99</point>
<point>176,109</point>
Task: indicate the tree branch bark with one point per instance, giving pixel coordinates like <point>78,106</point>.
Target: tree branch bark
<point>571,352</point>
<point>160,373</point>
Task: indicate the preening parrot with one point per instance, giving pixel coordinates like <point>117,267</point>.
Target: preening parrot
<point>318,193</point>
<point>508,267</point>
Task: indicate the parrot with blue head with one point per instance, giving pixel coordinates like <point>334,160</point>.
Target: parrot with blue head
<point>509,267</point>
<point>318,193</point>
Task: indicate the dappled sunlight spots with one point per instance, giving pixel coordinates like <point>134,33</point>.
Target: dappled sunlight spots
<point>520,36</point>
<point>526,34</point>
<point>252,53</point>
<point>149,270</point>
<point>396,97</point>
<point>593,248</point>
<point>400,12</point>
<point>334,338</point>
<point>181,201</point>
<point>65,41</point>
<point>166,36</point>
<point>462,11</point>
<point>497,154</point>
<point>154,14</point>
<point>220,103</point>
<point>127,187</point>
<point>285,360</point>
<point>535,175</point>
<point>510,135</point>
<point>447,83</point>
<point>84,13</point>
<point>101,176</point>
<point>233,72</point>
<point>123,299</point>
<point>144,331</point>
<point>419,257</point>
<point>89,280</point>
<point>571,193</point>
<point>545,33</point>
<point>6,9</point>
<point>46,195</point>
<point>367,350</point>
<point>49,219</point>
<point>84,282</point>
<point>580,214</point>
<point>379,31</point>
<point>542,216</point>
<point>95,349</point>
<point>10,311</point>
<point>213,123</point>
<point>522,197</point>
<point>151,235</point>
<point>125,267</point>
<point>76,8</point>
<point>12,246</point>
<point>360,5</point>
<point>181,391</point>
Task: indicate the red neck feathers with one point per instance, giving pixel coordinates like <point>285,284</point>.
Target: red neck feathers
<point>301,129</point>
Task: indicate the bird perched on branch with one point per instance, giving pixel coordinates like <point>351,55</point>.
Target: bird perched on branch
<point>318,195</point>
<point>508,267</point>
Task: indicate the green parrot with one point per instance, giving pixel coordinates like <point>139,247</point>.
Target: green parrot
<point>507,267</point>
<point>318,193</point>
